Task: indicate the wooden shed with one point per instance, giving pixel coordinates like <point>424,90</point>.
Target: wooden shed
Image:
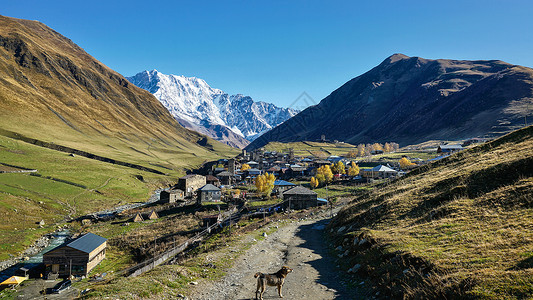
<point>299,198</point>
<point>138,218</point>
<point>151,215</point>
<point>77,257</point>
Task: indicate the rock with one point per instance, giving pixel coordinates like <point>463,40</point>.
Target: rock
<point>355,241</point>
<point>362,242</point>
<point>355,268</point>
<point>193,283</point>
<point>264,234</point>
<point>405,271</point>
<point>41,202</point>
<point>339,248</point>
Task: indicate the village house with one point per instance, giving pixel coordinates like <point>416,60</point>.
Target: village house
<point>281,186</point>
<point>77,257</point>
<point>171,196</point>
<point>253,164</point>
<point>191,183</point>
<point>210,179</point>
<point>449,148</point>
<point>380,171</point>
<point>209,193</point>
<point>226,178</point>
<point>299,197</point>
<point>253,172</point>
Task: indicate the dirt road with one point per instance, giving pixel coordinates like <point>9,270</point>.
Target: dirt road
<point>299,245</point>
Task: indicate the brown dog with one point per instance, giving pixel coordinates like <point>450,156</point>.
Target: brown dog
<point>275,279</point>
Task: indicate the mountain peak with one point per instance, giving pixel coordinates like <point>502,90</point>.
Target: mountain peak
<point>396,57</point>
<point>200,107</point>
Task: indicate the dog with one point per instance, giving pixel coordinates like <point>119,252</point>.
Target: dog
<point>275,279</point>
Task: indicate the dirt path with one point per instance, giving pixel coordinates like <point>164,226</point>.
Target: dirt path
<point>299,245</point>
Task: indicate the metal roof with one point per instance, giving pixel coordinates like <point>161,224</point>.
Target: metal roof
<point>382,168</point>
<point>283,183</point>
<point>209,188</point>
<point>87,243</point>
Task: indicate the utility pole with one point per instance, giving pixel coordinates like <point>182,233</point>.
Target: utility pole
<point>330,204</point>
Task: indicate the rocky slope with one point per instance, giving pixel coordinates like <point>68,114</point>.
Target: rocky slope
<point>412,99</point>
<point>233,119</point>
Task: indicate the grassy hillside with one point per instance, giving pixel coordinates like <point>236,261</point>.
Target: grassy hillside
<point>56,99</point>
<point>318,149</point>
<point>460,227</point>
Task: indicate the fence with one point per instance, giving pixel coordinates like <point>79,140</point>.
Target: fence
<point>151,263</point>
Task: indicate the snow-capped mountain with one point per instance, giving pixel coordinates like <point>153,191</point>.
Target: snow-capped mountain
<point>233,119</point>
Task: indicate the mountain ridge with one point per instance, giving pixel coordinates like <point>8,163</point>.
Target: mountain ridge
<point>52,90</point>
<point>412,99</point>
<point>233,119</point>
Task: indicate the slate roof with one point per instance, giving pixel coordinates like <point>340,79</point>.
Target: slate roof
<point>299,190</point>
<point>189,176</point>
<point>225,173</point>
<point>283,183</point>
<point>209,188</point>
<point>87,243</point>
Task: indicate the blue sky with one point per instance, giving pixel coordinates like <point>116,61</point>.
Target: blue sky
<point>276,50</point>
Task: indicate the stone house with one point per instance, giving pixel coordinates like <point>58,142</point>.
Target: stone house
<point>191,183</point>
<point>209,193</point>
<point>171,196</point>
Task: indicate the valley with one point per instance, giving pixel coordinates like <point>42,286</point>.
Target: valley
<point>413,180</point>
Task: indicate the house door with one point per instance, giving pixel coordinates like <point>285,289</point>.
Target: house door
<point>55,269</point>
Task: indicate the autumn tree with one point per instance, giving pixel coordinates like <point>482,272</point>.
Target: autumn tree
<point>361,150</point>
<point>353,170</point>
<point>265,183</point>
<point>314,182</point>
<point>377,147</point>
<point>245,167</point>
<point>338,168</point>
<point>352,153</point>
<point>387,148</point>
<point>324,174</point>
<point>395,146</point>
<point>404,163</point>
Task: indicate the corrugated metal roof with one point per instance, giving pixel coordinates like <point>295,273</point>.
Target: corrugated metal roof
<point>87,243</point>
<point>283,183</point>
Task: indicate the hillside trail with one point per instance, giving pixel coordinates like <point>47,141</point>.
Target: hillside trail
<point>302,246</point>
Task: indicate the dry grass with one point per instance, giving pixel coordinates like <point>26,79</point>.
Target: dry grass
<point>462,226</point>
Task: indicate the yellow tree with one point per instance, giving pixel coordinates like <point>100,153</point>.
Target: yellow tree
<point>324,174</point>
<point>245,167</point>
<point>269,183</point>
<point>377,147</point>
<point>338,168</point>
<point>314,182</point>
<point>404,163</point>
<point>387,148</point>
<point>361,150</point>
<point>260,183</point>
<point>353,170</point>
